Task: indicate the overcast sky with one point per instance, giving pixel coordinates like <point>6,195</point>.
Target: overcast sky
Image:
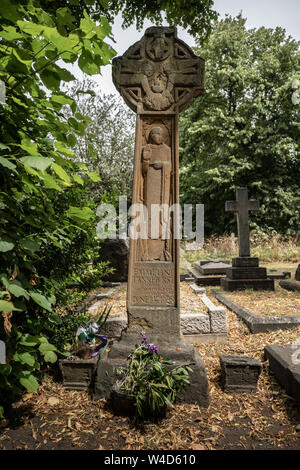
<point>268,13</point>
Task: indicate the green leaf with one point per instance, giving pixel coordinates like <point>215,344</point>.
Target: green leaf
<point>40,300</point>
<point>84,213</point>
<point>29,146</point>
<point>51,183</point>
<point>46,347</point>
<point>40,163</point>
<point>62,149</point>
<point>29,244</point>
<point>87,64</point>
<point>94,175</point>
<point>28,340</point>
<point>17,291</point>
<point>30,383</point>
<point>7,307</point>
<point>61,173</point>
<point>7,163</point>
<point>78,179</point>
<point>50,356</point>
<point>6,246</point>
<point>26,358</point>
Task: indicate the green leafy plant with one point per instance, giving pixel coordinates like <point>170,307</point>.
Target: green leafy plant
<point>148,379</point>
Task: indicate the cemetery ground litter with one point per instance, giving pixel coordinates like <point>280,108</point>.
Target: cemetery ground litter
<point>55,419</point>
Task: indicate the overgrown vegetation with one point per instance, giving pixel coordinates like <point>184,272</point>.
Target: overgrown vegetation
<point>268,247</point>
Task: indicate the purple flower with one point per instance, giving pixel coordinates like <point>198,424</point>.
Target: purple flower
<point>144,338</point>
<point>152,348</point>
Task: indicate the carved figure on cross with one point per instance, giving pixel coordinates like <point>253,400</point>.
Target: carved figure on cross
<point>241,208</point>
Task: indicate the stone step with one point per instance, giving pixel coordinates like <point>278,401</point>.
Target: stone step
<point>246,273</point>
<point>212,268</point>
<point>210,280</point>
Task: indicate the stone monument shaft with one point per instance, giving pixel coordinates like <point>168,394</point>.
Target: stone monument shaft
<point>241,207</point>
<point>157,77</point>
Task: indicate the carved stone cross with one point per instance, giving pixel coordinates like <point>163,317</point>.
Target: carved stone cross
<point>241,207</point>
<point>157,77</point>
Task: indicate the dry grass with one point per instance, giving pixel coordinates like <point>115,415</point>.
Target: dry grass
<point>275,248</point>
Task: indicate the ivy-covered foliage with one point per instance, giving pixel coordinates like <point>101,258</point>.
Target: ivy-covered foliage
<point>244,131</point>
<point>47,220</point>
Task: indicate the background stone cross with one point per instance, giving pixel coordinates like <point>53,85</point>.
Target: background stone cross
<point>241,207</point>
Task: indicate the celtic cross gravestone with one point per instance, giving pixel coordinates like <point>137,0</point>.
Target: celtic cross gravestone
<point>157,77</point>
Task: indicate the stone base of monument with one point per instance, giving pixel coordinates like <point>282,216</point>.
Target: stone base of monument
<point>175,349</point>
<point>245,273</point>
<point>209,272</point>
<point>284,362</point>
<point>205,280</point>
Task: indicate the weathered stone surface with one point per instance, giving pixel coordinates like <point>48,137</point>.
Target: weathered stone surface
<point>210,305</point>
<point>212,268</point>
<point>78,374</point>
<point>218,321</point>
<point>256,284</point>
<point>209,280</point>
<point>239,373</point>
<point>290,285</point>
<point>157,77</point>
<point>197,289</point>
<point>246,273</point>
<point>284,362</point>
<point>283,275</point>
<point>117,253</point>
<point>297,273</point>
<point>115,326</point>
<point>194,323</point>
<point>202,262</point>
<point>241,207</point>
<point>243,261</point>
<point>259,324</point>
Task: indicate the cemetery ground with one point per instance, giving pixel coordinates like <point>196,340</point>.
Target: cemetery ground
<point>54,418</point>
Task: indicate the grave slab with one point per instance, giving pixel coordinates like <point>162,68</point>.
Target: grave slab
<point>289,285</point>
<point>256,323</point>
<point>284,362</point>
<point>212,268</point>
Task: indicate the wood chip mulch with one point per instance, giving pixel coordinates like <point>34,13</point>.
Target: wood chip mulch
<point>268,303</point>
<point>54,418</point>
